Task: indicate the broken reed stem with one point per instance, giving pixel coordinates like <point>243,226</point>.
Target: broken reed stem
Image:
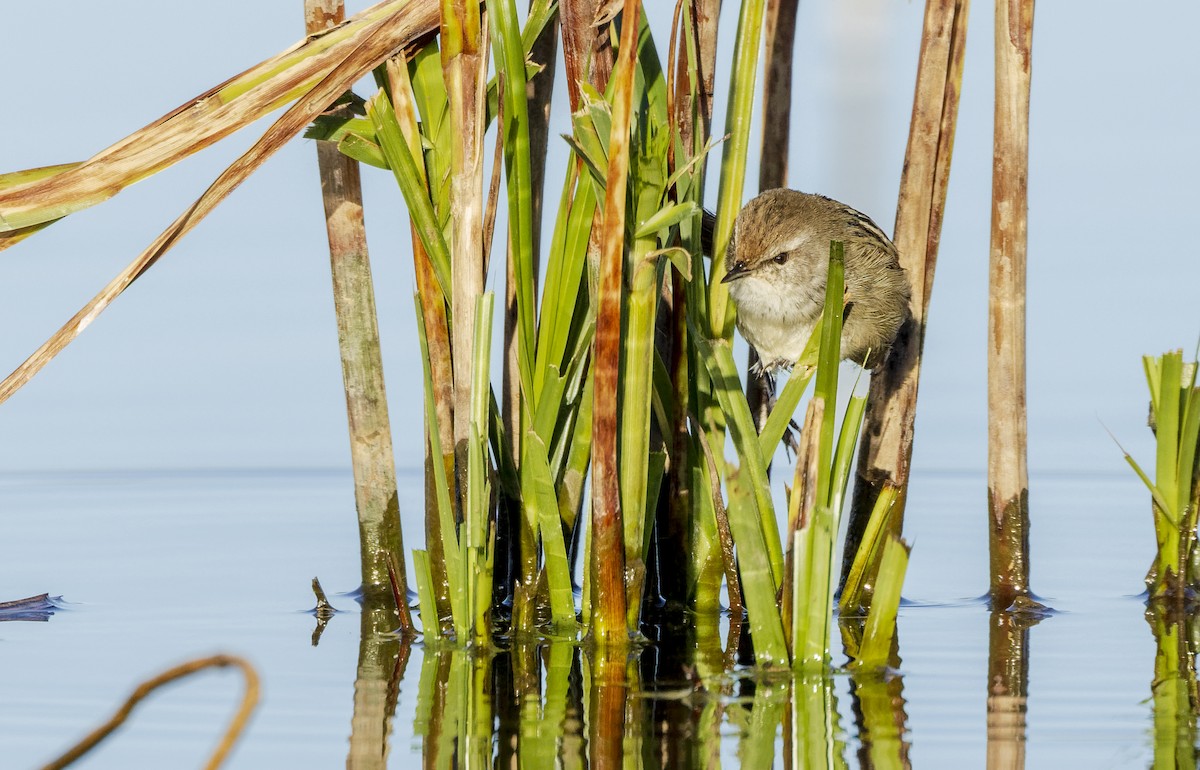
<point>1008,475</point>
<point>236,725</point>
<point>373,46</point>
<point>375,497</point>
<point>887,438</point>
<point>203,120</point>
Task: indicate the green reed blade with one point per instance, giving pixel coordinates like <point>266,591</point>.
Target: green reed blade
<point>1167,455</point>
<point>412,185</point>
<point>425,595</point>
<point>509,55</point>
<point>537,492</point>
<point>789,399</point>
<point>756,534</point>
<point>733,159</point>
<point>446,517</point>
<point>876,647</point>
<point>866,559</point>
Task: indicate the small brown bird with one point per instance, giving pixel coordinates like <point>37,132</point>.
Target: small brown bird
<point>776,266</point>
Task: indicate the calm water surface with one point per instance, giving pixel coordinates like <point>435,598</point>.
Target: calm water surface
<point>154,568</point>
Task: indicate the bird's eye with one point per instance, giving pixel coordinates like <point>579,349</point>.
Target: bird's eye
<point>781,258</point>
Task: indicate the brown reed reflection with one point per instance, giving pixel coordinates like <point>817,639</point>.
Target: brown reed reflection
<point>1008,682</point>
<point>1175,694</point>
<point>382,660</point>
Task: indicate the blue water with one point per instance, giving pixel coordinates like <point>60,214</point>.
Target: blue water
<point>155,568</point>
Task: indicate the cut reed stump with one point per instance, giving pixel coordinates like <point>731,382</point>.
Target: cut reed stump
<point>1008,474</point>
<point>362,363</point>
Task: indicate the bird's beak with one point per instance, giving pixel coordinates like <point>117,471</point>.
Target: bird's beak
<point>735,272</point>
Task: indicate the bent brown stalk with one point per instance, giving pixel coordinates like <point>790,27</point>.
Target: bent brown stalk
<point>204,119</point>
<point>380,40</point>
<point>236,725</point>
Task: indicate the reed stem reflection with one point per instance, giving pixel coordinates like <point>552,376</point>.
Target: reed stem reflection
<point>1008,683</point>
<point>1175,694</point>
<point>382,660</point>
<point>673,703</point>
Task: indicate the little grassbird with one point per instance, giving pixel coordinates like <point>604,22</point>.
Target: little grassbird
<point>776,266</point>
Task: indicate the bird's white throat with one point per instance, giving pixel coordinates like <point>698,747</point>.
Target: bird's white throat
<point>776,323</point>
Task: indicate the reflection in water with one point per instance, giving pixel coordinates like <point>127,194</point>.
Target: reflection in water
<point>382,658</point>
<point>813,740</point>
<point>667,704</point>
<point>878,704</point>
<point>882,721</point>
<point>1008,683</point>
<point>37,608</point>
<point>1174,689</point>
<point>670,703</point>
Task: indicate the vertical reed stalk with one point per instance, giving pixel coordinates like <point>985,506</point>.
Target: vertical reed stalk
<point>521,274</point>
<point>432,307</point>
<point>777,92</point>
<point>608,549</point>
<point>539,90</point>
<point>464,65</point>
<point>777,128</point>
<point>886,450</point>
<point>375,495</point>
<point>813,565</point>
<point>641,465</point>
<point>588,59</point>
<point>587,53</point>
<point>1008,476</point>
<point>733,161</point>
<point>687,530</point>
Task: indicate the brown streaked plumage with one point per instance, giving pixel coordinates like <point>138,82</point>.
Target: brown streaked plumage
<point>776,267</point>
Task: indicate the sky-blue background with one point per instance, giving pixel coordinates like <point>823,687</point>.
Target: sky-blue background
<point>225,355</point>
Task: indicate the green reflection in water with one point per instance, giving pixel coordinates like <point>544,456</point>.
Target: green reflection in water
<point>1174,690</point>
<point>681,701</point>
